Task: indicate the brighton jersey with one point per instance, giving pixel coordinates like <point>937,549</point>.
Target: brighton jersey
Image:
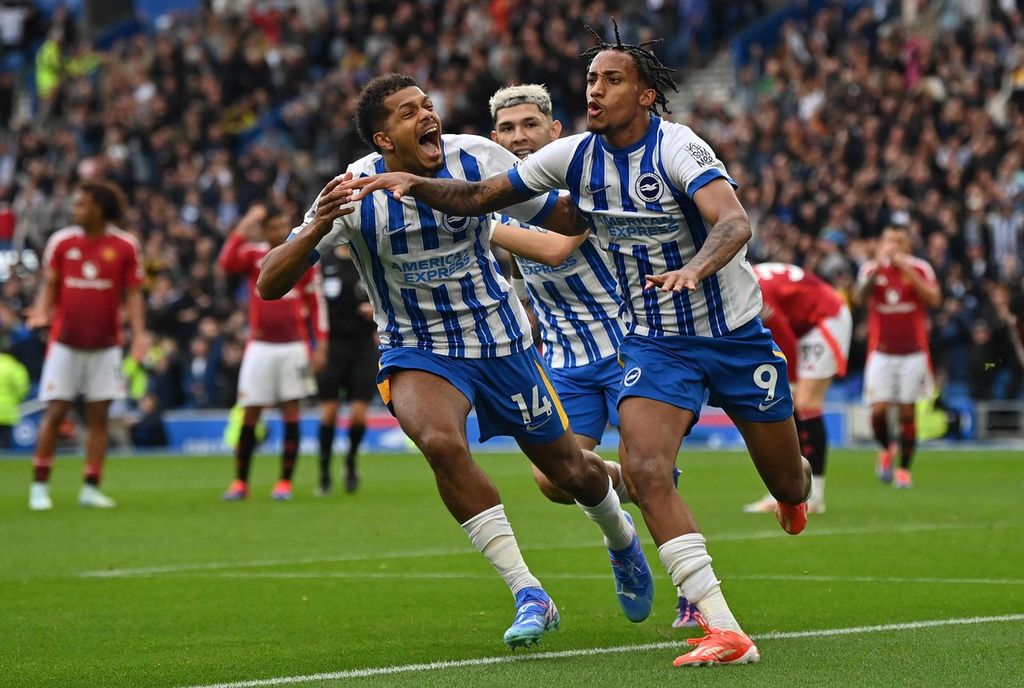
<point>638,201</point>
<point>577,304</point>
<point>431,277</point>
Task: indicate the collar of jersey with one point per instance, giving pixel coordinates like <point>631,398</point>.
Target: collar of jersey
<point>648,137</point>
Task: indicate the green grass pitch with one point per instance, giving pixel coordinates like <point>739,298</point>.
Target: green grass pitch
<point>176,588</point>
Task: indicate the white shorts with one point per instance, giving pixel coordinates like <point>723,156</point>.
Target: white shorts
<point>897,378</point>
<point>823,352</point>
<point>274,372</point>
<point>94,373</point>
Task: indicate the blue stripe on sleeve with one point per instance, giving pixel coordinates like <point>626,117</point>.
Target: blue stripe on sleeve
<point>519,184</point>
<point>705,178</point>
<point>543,213</point>
<point>574,173</point>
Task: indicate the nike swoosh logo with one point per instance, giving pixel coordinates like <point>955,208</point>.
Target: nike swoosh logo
<point>530,427</point>
<point>394,230</point>
<point>592,191</point>
<point>764,407</point>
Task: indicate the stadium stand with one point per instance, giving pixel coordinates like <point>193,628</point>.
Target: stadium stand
<point>201,114</point>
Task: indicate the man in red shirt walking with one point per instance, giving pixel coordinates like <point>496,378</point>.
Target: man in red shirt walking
<point>897,289</point>
<point>88,267</point>
<point>276,364</point>
<point>812,325</point>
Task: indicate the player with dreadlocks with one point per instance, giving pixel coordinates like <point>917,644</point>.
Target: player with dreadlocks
<point>662,204</point>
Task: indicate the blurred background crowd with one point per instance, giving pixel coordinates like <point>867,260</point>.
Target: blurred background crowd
<point>856,115</point>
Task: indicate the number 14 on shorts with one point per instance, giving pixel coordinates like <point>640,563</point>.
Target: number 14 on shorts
<point>538,409</point>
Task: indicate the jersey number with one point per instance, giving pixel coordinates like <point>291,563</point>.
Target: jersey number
<point>766,377</point>
<point>541,405</point>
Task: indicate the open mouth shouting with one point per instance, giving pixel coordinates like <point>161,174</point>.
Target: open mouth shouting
<point>430,142</point>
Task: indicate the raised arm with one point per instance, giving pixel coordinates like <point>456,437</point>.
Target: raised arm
<point>730,231</point>
<point>927,289</point>
<point>465,199</point>
<point>540,247</point>
<point>284,265</point>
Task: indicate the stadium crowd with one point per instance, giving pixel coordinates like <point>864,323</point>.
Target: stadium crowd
<point>215,112</point>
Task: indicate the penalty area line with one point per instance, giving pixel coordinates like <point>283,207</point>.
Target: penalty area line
<point>589,652</point>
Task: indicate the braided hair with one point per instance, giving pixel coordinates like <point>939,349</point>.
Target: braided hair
<point>652,72</point>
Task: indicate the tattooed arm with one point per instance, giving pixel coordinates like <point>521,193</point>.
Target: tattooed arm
<point>464,199</point>
<point>730,231</point>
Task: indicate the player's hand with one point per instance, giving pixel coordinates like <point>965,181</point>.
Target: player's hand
<point>319,359</point>
<point>35,319</point>
<point>675,280</point>
<point>900,261</point>
<point>365,309</point>
<point>140,347</point>
<point>397,183</point>
<point>333,202</point>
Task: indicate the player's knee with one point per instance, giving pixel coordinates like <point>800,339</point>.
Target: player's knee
<point>644,474</point>
<point>549,489</point>
<point>440,446</point>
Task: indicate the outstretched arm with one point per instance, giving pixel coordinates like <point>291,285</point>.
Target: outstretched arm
<point>284,265</point>
<point>540,247</point>
<point>730,231</point>
<point>465,199</point>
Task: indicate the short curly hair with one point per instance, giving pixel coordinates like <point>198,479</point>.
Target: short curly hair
<point>370,110</point>
<point>107,195</point>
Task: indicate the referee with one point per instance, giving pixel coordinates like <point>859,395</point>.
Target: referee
<point>351,363</point>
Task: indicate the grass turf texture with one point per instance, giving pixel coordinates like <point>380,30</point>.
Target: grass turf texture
<point>235,592</point>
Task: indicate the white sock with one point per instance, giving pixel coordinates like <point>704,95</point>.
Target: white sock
<point>689,566</point>
<point>491,533</point>
<point>620,487</point>
<point>817,488</point>
<point>611,519</point>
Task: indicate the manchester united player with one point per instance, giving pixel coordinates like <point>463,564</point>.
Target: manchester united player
<point>88,267</point>
<point>275,366</point>
<point>896,288</point>
<point>812,325</point>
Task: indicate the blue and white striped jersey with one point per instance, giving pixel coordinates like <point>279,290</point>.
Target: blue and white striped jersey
<point>577,304</point>
<point>431,277</point>
<point>638,201</point>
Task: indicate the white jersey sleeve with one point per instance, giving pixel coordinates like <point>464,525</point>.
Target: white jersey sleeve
<point>343,227</point>
<point>689,161</point>
<point>545,169</point>
<point>494,160</point>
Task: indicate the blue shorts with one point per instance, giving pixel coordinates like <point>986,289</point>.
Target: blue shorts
<point>512,394</point>
<point>589,395</point>
<point>744,373</point>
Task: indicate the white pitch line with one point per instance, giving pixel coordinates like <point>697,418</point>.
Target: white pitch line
<point>794,577</point>
<point>589,652</point>
<point>448,552</point>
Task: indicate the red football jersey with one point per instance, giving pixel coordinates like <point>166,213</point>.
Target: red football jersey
<point>896,314</point>
<point>283,319</point>
<point>93,273</point>
<point>795,302</point>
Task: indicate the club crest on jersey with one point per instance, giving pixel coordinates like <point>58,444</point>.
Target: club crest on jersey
<point>701,154</point>
<point>631,377</point>
<point>648,186</point>
<point>454,224</point>
<point>109,254</point>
